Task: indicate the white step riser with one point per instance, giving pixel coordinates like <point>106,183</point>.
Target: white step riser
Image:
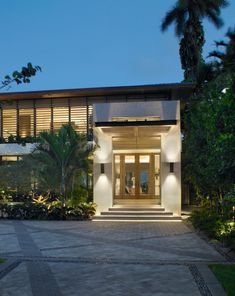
<point>136,209</point>
<point>134,213</point>
<point>102,218</point>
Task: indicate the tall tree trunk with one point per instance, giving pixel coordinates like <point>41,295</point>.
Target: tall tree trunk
<point>62,185</point>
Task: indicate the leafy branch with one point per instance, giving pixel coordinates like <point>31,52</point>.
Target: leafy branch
<point>22,76</point>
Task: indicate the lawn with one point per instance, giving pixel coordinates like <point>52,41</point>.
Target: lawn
<point>226,276</point>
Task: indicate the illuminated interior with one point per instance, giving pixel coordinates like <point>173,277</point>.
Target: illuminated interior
<point>29,118</point>
<point>137,176</point>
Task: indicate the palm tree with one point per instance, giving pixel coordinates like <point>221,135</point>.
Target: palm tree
<point>187,16</point>
<point>60,156</point>
<point>227,57</point>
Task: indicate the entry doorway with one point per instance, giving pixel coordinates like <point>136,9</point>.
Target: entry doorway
<point>136,176</point>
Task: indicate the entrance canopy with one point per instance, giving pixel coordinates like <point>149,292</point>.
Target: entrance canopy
<point>135,137</point>
<point>136,143</point>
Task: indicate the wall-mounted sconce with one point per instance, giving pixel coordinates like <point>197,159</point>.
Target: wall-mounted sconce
<point>102,168</point>
<point>171,167</point>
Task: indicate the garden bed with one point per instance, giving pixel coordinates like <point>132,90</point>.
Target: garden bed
<point>46,211</point>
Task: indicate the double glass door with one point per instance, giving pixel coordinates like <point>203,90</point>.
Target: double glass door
<point>136,176</point>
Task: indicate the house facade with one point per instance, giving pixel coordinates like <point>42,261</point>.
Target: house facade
<point>137,131</point>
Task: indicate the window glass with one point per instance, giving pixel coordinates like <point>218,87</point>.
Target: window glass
<point>26,122</point>
<point>9,122</point>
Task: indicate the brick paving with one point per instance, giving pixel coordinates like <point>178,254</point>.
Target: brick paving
<point>104,258</point>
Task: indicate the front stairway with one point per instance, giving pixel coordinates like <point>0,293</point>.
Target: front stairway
<point>138,214</point>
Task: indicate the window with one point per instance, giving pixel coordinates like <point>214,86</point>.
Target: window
<point>26,123</point>
<point>43,119</point>
<point>60,117</point>
<point>79,118</point>
<point>9,122</point>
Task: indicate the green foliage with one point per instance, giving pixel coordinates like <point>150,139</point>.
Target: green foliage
<point>25,211</point>
<point>46,211</point>
<point>58,164</point>
<point>187,15</point>
<point>19,140</point>
<point>209,139</point>
<point>216,224</point>
<point>226,58</point>
<point>40,199</point>
<point>77,199</point>
<point>17,175</point>
<point>59,158</point>
<point>208,221</point>
<point>5,196</point>
<point>22,76</point>
<point>228,205</point>
<point>87,210</point>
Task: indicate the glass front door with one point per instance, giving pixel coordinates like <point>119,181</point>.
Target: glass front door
<point>136,176</point>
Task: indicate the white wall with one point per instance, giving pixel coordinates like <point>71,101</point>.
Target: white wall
<point>103,192</point>
<point>171,182</point>
<point>166,110</point>
<point>16,149</point>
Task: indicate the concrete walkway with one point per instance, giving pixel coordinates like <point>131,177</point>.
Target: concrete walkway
<point>104,258</point>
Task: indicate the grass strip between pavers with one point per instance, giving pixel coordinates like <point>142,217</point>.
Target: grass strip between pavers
<point>226,276</point>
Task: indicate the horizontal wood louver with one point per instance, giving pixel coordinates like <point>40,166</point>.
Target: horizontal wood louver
<point>25,104</point>
<point>77,101</point>
<point>9,122</point>
<point>26,122</point>
<point>79,118</point>
<point>45,103</point>
<point>60,117</point>
<point>30,117</point>
<point>43,120</point>
<point>60,102</point>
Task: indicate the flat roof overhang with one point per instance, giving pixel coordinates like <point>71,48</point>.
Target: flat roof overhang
<point>136,123</point>
<point>168,91</point>
<point>136,134</point>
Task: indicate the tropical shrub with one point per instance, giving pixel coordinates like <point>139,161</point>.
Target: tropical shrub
<point>87,210</point>
<point>49,211</point>
<point>208,221</point>
<point>216,224</point>
<point>228,205</point>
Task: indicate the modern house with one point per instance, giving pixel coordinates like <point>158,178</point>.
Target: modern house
<point>137,128</point>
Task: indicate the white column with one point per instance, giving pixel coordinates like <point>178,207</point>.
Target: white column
<point>171,182</point>
<point>103,191</point>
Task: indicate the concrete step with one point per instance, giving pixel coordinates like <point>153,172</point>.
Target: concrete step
<point>136,213</point>
<point>136,218</point>
<point>155,209</point>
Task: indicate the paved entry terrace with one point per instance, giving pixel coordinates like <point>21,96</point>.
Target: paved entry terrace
<point>104,258</point>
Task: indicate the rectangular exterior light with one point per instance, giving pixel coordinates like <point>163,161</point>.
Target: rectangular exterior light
<point>171,167</point>
<point>102,168</point>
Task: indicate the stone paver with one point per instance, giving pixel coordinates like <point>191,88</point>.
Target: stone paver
<point>104,258</point>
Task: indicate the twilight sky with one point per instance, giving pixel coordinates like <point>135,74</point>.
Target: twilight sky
<point>90,43</point>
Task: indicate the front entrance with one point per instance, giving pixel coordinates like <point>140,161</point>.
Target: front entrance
<point>136,176</point>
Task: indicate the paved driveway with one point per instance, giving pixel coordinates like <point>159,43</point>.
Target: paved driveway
<point>104,258</point>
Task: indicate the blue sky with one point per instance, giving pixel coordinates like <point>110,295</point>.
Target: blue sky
<point>90,43</point>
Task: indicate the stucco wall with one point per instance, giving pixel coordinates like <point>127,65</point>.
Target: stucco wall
<point>166,110</point>
<point>171,182</point>
<point>103,193</point>
<point>16,149</point>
